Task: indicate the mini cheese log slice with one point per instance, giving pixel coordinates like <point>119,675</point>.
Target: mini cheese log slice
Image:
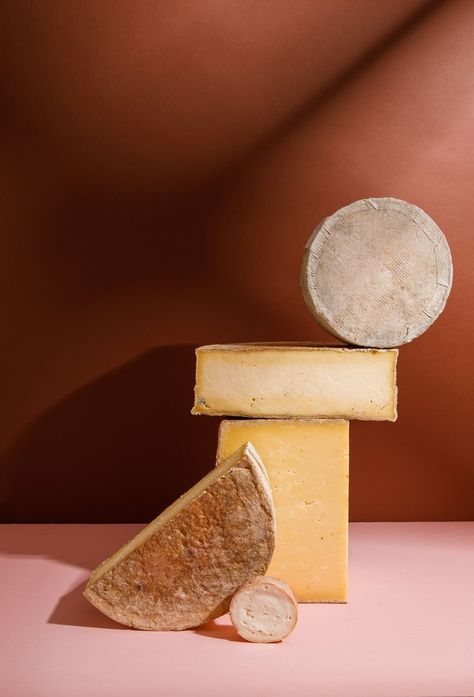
<point>296,380</point>
<point>264,610</point>
<point>183,568</point>
<point>307,461</point>
<point>377,272</point>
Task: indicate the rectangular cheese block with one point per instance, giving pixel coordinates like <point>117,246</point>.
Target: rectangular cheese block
<point>307,461</point>
<point>300,380</point>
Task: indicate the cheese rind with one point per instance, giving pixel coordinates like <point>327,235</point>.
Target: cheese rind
<point>183,568</point>
<point>377,272</point>
<point>299,380</point>
<point>307,461</point>
<point>264,610</point>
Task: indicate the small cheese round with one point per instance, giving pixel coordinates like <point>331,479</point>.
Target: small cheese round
<point>264,610</point>
<point>377,272</point>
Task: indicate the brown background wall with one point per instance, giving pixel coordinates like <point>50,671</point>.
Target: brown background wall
<point>162,167</point>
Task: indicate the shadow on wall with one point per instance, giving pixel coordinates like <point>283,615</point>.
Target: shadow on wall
<point>120,449</point>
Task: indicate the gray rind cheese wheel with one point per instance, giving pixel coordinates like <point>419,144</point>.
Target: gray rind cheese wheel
<point>377,272</point>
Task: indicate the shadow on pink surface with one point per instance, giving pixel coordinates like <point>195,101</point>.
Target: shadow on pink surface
<point>75,611</point>
<point>74,550</point>
<point>215,630</point>
<point>74,546</point>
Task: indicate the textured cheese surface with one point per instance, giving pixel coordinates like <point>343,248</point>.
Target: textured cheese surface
<point>264,610</point>
<point>307,462</point>
<point>184,567</point>
<point>296,381</point>
<point>377,272</point>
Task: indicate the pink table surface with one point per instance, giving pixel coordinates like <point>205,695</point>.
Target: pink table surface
<point>408,628</point>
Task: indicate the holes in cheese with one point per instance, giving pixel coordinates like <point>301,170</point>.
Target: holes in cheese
<point>183,568</point>
<point>264,610</point>
<point>307,461</point>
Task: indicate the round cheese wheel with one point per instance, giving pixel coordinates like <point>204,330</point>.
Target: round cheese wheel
<point>264,610</point>
<point>377,272</point>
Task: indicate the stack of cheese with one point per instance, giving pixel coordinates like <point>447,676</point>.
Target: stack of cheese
<point>376,274</point>
<point>300,399</point>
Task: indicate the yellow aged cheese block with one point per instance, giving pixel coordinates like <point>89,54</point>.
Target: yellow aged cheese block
<point>307,461</point>
<point>296,380</point>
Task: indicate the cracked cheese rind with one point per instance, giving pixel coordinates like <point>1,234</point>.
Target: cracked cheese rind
<point>183,568</point>
<point>296,380</point>
<point>377,272</point>
<point>307,462</point>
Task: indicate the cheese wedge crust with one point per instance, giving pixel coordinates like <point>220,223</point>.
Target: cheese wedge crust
<point>182,569</point>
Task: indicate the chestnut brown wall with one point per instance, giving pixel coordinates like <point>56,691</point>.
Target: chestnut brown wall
<point>163,165</point>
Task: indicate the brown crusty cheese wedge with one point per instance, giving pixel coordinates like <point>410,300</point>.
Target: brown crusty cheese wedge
<point>183,568</point>
<point>264,610</point>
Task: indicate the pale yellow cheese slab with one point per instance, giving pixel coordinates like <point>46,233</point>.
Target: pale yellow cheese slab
<point>296,380</point>
<point>307,461</point>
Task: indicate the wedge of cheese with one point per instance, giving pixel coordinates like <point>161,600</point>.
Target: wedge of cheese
<point>299,380</point>
<point>183,568</point>
<point>307,461</point>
